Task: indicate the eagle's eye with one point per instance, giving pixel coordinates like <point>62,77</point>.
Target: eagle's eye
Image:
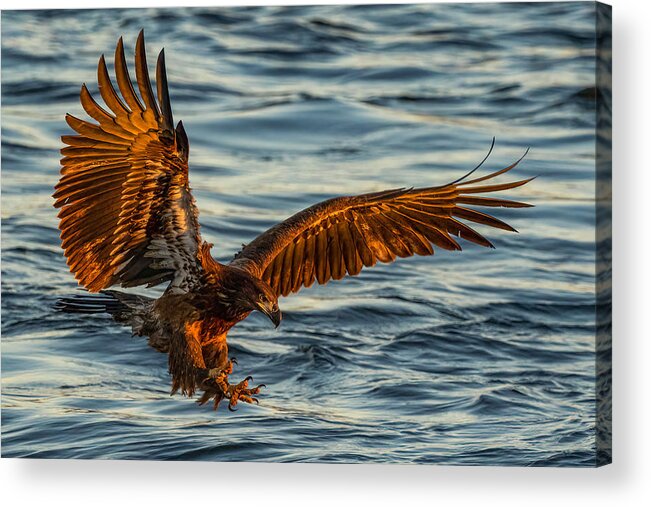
<point>263,298</point>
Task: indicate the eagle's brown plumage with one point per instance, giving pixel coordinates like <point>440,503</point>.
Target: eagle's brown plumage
<point>127,217</point>
<point>342,235</point>
<point>127,214</point>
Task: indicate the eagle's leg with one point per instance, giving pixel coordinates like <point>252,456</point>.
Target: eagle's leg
<point>216,386</point>
<point>215,382</point>
<point>241,392</point>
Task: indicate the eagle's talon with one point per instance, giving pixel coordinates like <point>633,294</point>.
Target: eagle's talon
<point>255,390</point>
<point>216,386</point>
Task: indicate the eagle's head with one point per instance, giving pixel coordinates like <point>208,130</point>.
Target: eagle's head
<point>250,293</point>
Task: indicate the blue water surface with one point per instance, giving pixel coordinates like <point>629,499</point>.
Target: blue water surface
<point>480,357</point>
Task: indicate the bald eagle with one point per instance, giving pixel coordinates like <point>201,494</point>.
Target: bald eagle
<point>128,218</point>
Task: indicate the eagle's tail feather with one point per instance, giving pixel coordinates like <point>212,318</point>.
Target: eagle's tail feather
<point>107,301</point>
<point>129,309</point>
<point>86,303</point>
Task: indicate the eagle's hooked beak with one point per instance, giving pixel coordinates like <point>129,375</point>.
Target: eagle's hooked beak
<point>272,311</point>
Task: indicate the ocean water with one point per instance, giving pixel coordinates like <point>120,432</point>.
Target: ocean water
<point>480,357</point>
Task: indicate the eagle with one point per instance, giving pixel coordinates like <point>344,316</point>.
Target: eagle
<point>127,217</point>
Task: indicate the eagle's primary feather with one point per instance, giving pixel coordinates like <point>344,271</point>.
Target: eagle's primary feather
<point>127,214</point>
<point>127,217</point>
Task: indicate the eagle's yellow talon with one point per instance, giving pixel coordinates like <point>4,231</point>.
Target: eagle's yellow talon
<point>217,387</point>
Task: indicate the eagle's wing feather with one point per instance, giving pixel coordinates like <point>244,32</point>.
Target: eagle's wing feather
<point>127,214</point>
<point>342,235</point>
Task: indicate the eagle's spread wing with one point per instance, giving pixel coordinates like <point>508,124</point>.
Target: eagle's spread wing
<point>341,236</point>
<point>127,215</point>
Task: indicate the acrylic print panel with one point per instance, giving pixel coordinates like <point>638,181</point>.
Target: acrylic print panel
<point>475,357</point>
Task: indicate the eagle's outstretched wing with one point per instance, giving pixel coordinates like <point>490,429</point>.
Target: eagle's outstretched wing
<point>127,215</point>
<point>341,236</point>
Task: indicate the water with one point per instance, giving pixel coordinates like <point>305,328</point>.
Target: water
<point>479,357</point>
